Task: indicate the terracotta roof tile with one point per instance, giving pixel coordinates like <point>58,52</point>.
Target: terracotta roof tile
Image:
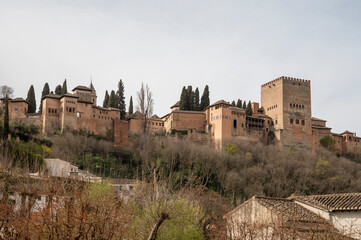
<point>334,202</point>
<point>290,210</point>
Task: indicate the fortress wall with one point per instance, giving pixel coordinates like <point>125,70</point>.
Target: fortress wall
<point>120,132</point>
<point>50,118</point>
<point>188,120</point>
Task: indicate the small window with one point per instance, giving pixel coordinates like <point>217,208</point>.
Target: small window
<point>297,121</point>
<point>291,121</point>
<point>276,121</point>
<point>303,122</point>
<point>235,123</point>
<point>16,109</point>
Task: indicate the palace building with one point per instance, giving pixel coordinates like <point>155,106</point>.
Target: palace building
<point>284,116</point>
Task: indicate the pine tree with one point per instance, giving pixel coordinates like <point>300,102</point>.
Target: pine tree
<point>183,99</point>
<point>31,100</point>
<point>244,105</point>
<point>130,111</point>
<point>196,100</point>
<point>205,98</point>
<point>106,99</point>
<point>121,99</point>
<point>64,89</point>
<point>239,103</point>
<point>249,109</point>
<point>46,91</point>
<point>58,90</point>
<point>6,118</point>
<point>233,103</point>
<point>112,100</point>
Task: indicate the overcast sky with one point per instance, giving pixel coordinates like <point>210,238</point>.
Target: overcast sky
<point>233,46</point>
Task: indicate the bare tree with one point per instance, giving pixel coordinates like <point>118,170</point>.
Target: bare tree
<point>145,106</point>
<point>6,91</point>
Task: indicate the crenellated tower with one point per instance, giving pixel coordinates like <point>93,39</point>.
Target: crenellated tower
<point>287,101</point>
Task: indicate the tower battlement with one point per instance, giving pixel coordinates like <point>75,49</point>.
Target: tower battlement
<point>286,79</point>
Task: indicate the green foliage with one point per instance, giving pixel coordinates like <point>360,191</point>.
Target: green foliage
<point>130,110</point>
<point>328,142</point>
<point>31,100</point>
<point>190,97</point>
<point>230,148</point>
<point>120,99</point>
<point>64,89</point>
<point>58,90</point>
<point>112,100</point>
<point>196,104</point>
<point>244,106</point>
<point>233,103</point>
<point>249,109</point>
<point>322,166</point>
<point>183,103</point>
<point>24,131</point>
<point>46,91</point>
<point>205,98</point>
<point>97,191</point>
<point>239,103</point>
<point>106,99</point>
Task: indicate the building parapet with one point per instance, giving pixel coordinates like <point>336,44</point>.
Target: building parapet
<point>287,79</point>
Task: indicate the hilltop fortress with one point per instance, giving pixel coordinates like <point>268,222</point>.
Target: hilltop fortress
<point>284,116</point>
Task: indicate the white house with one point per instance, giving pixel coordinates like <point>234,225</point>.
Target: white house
<point>342,210</point>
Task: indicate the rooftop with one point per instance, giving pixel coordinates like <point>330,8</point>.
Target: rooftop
<point>333,202</point>
<point>83,88</point>
<point>318,119</point>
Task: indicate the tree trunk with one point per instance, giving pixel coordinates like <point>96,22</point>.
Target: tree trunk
<point>154,232</point>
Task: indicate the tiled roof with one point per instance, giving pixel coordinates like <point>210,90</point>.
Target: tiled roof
<point>19,99</point>
<point>221,102</point>
<point>333,202</point>
<point>52,96</point>
<point>237,109</point>
<point>68,95</point>
<point>347,132</point>
<point>84,88</point>
<point>318,119</point>
<point>289,210</point>
<point>320,127</point>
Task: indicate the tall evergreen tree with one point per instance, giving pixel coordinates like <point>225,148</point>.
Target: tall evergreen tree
<point>233,103</point>
<point>46,91</point>
<point>239,103</point>
<point>249,109</point>
<point>58,90</point>
<point>244,106</point>
<point>64,89</point>
<point>106,99</point>
<point>112,100</point>
<point>183,99</point>
<point>196,100</point>
<point>190,96</point>
<point>205,98</point>
<point>130,110</point>
<point>121,99</point>
<point>31,100</point>
<point>6,118</point>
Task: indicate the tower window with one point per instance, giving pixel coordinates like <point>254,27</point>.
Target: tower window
<point>297,121</point>
<point>235,123</point>
<point>303,122</point>
<point>291,121</point>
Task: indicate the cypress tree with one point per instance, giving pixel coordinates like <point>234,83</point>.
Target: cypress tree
<point>31,100</point>
<point>58,90</point>
<point>239,103</point>
<point>249,109</point>
<point>121,99</point>
<point>205,98</point>
<point>244,105</point>
<point>46,91</point>
<point>112,100</point>
<point>106,99</point>
<point>233,103</point>
<point>183,99</point>
<point>64,89</point>
<point>6,118</point>
<point>196,100</point>
<point>130,111</point>
<point>190,95</point>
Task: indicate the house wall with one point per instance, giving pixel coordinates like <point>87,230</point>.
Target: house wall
<point>348,222</point>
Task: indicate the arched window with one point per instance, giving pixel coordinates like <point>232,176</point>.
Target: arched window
<point>235,123</point>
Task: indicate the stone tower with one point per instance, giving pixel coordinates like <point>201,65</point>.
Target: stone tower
<point>288,102</point>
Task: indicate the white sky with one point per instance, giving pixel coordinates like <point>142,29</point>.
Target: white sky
<point>233,46</point>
